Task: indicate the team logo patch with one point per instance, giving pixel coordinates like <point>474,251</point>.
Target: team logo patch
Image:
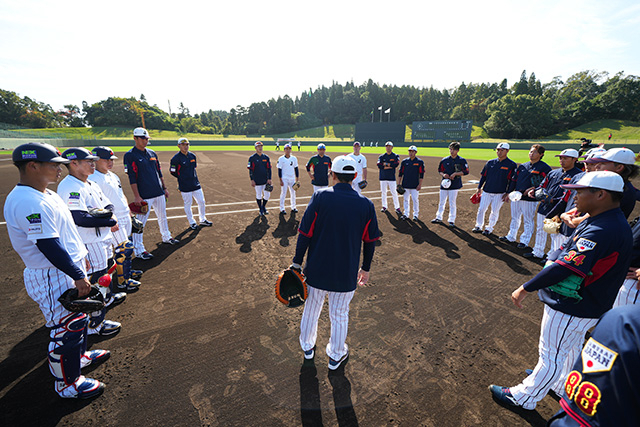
<point>72,156</point>
<point>584,245</point>
<point>29,154</point>
<point>35,223</point>
<point>596,357</point>
<point>74,195</point>
<point>34,218</point>
<point>125,169</point>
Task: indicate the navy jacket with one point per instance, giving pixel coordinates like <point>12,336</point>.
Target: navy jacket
<point>259,168</point>
<point>529,175</point>
<point>393,160</point>
<point>143,169</point>
<point>450,165</point>
<point>184,168</point>
<point>411,172</point>
<point>496,175</point>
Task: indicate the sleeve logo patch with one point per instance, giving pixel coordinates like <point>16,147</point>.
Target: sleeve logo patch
<point>596,357</point>
<point>34,218</point>
<point>74,195</point>
<point>35,224</point>
<point>584,245</point>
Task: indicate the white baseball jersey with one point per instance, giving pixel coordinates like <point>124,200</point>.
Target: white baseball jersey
<point>361,163</point>
<point>288,166</point>
<point>82,196</point>
<point>111,187</point>
<point>32,215</point>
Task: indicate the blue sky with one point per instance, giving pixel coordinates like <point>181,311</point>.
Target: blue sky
<point>211,55</point>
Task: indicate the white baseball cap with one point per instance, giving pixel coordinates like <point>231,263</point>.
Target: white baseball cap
<point>321,146</point>
<point>605,180</point>
<point>413,148</point>
<point>140,132</point>
<point>503,145</point>
<point>356,143</point>
<point>446,183</point>
<point>594,152</point>
<point>344,164</point>
<point>569,152</point>
<point>257,143</point>
<point>388,143</point>
<point>183,141</point>
<point>287,145</point>
<point>616,155</point>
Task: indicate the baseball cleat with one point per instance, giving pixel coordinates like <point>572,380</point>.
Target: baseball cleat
<point>415,218</point>
<point>398,211</point>
<point>193,226</point>
<point>83,388</point>
<point>436,221</point>
<point>521,246</point>
<point>404,217</point>
<point>106,328</point>
<point>145,255</point>
<point>310,354</point>
<point>452,224</point>
<point>504,239</point>
<point>116,298</point>
<point>136,274</point>
<point>266,212</point>
<point>486,233</point>
<point>206,223</point>
<point>283,212</point>
<point>294,210</point>
<point>528,371</point>
<point>93,357</point>
<point>476,230</point>
<point>503,395</point>
<point>383,210</point>
<point>171,241</point>
<point>129,286</point>
<point>335,364</point>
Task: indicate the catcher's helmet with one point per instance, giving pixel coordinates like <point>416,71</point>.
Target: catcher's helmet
<point>38,152</point>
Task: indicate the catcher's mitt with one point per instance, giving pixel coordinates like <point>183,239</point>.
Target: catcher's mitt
<point>296,186</point>
<point>268,187</point>
<point>552,225</point>
<point>475,198</point>
<point>362,184</point>
<point>87,304</point>
<point>400,189</point>
<point>136,225</point>
<point>100,213</point>
<point>139,209</point>
<point>291,288</point>
<point>542,195</point>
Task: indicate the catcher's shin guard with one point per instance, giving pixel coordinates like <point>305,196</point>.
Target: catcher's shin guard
<point>68,344</point>
<point>124,252</point>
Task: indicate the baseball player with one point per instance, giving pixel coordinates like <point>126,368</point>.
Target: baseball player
<point>183,166</point>
<point>621,161</point>
<point>361,161</point>
<point>387,163</point>
<point>451,169</point>
<point>321,165</point>
<point>260,174</point>
<point>111,187</point>
<point>288,173</point>
<point>494,184</point>
<point>333,226</point>
<point>80,195</point>
<point>410,175</point>
<point>528,176</point>
<point>602,389</point>
<point>145,177</point>
<point>551,184</point>
<point>298,145</point>
<point>578,285</point>
<point>42,232</point>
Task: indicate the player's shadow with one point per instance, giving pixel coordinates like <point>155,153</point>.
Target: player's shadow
<point>342,398</point>
<point>286,228</point>
<point>532,417</point>
<point>254,231</point>
<point>164,250</point>
<point>489,249</point>
<point>310,406</point>
<point>24,356</point>
<point>421,234</point>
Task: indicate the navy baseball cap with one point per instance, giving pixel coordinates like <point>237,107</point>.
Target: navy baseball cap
<point>78,153</point>
<point>37,152</point>
<point>105,153</point>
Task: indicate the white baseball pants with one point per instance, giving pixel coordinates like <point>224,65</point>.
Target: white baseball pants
<point>522,210</point>
<point>124,230</point>
<point>159,205</point>
<point>187,198</point>
<point>319,187</point>
<point>261,193</point>
<point>411,193</point>
<point>541,237</point>
<point>495,201</point>
<point>628,294</point>
<point>452,195</point>
<point>288,186</point>
<point>561,339</point>
<point>557,240</point>
<point>338,314</point>
<point>98,255</point>
<point>389,186</point>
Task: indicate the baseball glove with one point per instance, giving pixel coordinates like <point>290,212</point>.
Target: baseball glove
<point>100,213</point>
<point>87,304</point>
<point>400,189</point>
<point>291,288</point>
<point>569,287</point>
<point>362,185</point>
<point>552,225</point>
<point>296,186</point>
<point>475,198</point>
<point>139,209</point>
<point>542,195</point>
<point>136,225</point>
<point>268,187</point>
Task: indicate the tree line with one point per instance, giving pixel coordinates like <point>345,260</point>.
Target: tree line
<point>527,109</point>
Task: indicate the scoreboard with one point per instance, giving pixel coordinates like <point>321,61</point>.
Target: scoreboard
<point>442,130</point>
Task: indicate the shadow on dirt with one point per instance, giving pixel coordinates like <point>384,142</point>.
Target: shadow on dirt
<point>254,231</point>
<point>421,234</point>
<point>286,229</point>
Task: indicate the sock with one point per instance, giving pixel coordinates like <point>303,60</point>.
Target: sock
<point>264,204</point>
<point>259,204</point>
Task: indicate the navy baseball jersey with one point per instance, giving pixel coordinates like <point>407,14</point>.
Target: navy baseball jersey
<point>451,165</point>
<point>321,166</point>
<point>599,252</point>
<point>143,169</point>
<point>529,175</point>
<point>259,168</point>
<point>635,255</point>
<point>552,183</point>
<point>391,160</point>
<point>184,168</point>
<point>496,175</point>
<point>628,202</point>
<point>411,172</point>
<point>603,388</point>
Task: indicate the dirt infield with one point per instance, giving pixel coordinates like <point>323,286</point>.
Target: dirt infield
<point>205,342</point>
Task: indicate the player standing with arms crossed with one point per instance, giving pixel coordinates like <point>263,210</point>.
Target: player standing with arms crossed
<point>145,177</point>
<point>110,185</point>
<point>80,195</point>
<point>361,162</point>
<point>321,165</point>
<point>578,285</point>
<point>43,233</point>
<point>260,174</point>
<point>333,228</point>
<point>495,178</point>
<point>451,169</point>
<point>387,163</point>
<point>183,166</point>
<point>288,173</point>
<point>411,175</point>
